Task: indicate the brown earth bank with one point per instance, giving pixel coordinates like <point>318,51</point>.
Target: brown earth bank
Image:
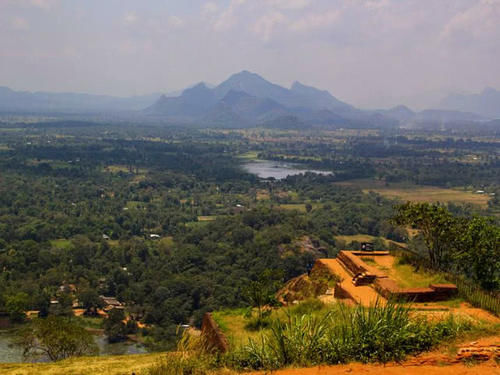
<point>435,362</point>
<point>393,369</point>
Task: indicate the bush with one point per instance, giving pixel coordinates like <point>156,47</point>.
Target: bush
<point>56,338</point>
<point>378,333</point>
<point>308,307</point>
<point>257,323</point>
<point>181,365</point>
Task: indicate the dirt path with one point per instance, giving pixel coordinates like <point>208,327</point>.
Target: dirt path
<point>364,295</point>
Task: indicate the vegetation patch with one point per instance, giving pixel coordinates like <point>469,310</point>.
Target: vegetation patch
<point>406,276</point>
<point>419,193</point>
<point>374,334</point>
<point>61,243</point>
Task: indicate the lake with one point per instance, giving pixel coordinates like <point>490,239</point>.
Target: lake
<point>14,354</point>
<point>278,170</point>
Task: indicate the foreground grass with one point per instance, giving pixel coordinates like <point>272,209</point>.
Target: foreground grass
<point>308,334</point>
<point>109,365</point>
<point>345,334</point>
<point>233,324</point>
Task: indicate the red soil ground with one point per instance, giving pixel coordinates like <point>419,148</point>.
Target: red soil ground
<point>356,368</point>
<point>432,363</point>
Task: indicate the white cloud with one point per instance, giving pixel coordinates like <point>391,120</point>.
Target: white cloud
<point>44,4</point>
<point>482,19</point>
<point>314,21</point>
<point>376,4</point>
<point>209,7</point>
<point>175,21</point>
<point>228,18</point>
<point>130,18</point>
<point>288,4</point>
<point>265,25</point>
<point>20,24</point>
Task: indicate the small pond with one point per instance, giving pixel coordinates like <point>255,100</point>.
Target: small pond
<point>10,353</point>
<point>278,170</point>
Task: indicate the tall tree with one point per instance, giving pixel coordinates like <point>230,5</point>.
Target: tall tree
<point>437,225</point>
<point>57,338</point>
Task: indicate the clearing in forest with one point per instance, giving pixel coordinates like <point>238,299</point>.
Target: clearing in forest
<point>419,193</point>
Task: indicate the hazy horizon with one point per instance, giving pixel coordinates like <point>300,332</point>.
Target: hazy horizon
<point>369,53</point>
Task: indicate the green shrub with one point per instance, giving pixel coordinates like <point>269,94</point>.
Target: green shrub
<point>181,365</point>
<point>366,334</point>
<point>256,323</point>
<point>308,307</point>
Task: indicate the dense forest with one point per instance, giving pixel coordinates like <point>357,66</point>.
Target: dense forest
<point>169,223</point>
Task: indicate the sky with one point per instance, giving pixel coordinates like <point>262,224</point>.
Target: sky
<point>370,53</point>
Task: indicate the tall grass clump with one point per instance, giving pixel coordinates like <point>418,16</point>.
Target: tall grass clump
<point>191,358</point>
<point>367,334</point>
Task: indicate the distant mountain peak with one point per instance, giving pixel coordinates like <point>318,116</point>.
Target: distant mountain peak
<point>198,87</point>
<point>489,90</point>
<point>402,109</point>
<point>245,73</point>
<point>232,94</point>
<point>296,86</point>
<point>246,77</point>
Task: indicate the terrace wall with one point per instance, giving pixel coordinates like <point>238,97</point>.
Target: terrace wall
<point>435,292</point>
<point>356,265</point>
<point>215,340</point>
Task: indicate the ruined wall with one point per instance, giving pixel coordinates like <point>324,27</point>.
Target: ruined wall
<point>435,292</point>
<point>214,339</point>
<point>356,265</point>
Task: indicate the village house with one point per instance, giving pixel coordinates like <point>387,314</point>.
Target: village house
<point>111,303</point>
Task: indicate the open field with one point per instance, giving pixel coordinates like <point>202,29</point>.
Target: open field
<point>298,206</point>
<point>405,275</point>
<point>418,193</point>
<point>207,218</point>
<point>61,243</point>
<point>250,155</point>
<point>232,323</point>
<point>367,238</point>
<point>124,169</point>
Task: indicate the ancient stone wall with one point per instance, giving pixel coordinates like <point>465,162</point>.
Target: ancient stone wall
<point>435,292</point>
<point>214,338</point>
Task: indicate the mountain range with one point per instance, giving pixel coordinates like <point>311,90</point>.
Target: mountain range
<point>46,102</point>
<point>485,103</point>
<point>246,99</point>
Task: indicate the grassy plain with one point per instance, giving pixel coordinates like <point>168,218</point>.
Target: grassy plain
<point>298,206</point>
<point>367,238</point>
<point>406,277</point>
<point>232,323</point>
<point>207,218</point>
<point>419,193</point>
<point>109,365</point>
<point>61,243</point>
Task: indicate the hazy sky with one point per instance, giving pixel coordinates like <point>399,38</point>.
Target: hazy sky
<point>371,53</point>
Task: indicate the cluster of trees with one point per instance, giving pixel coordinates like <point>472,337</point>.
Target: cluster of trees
<point>462,245</point>
<point>58,199</point>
